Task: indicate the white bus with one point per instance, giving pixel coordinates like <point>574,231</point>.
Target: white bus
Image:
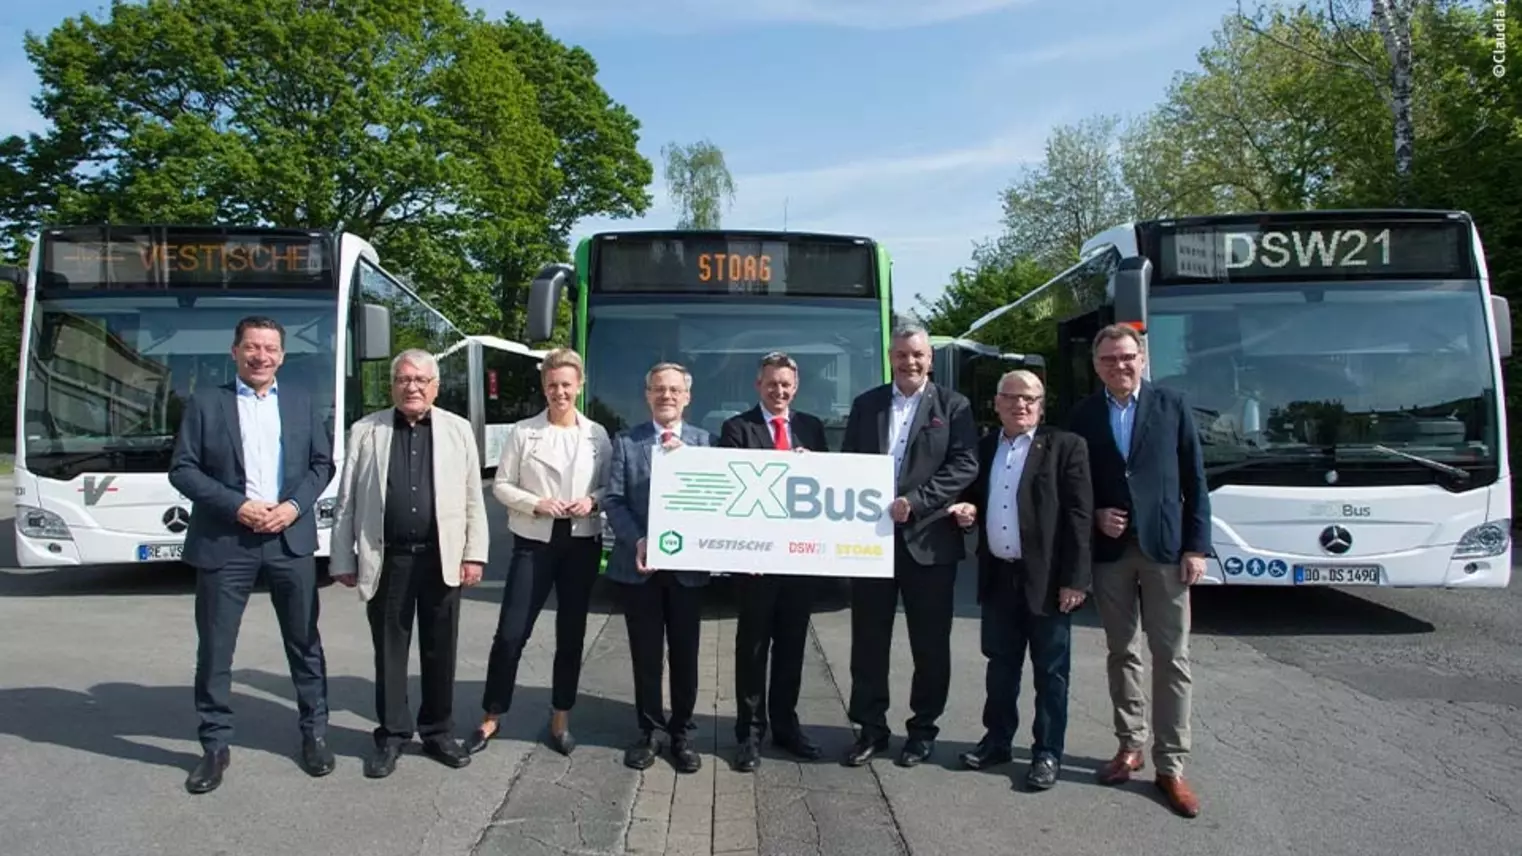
<point>123,323</point>
<point>1344,370</point>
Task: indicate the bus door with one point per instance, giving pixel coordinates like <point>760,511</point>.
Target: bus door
<point>1073,376</point>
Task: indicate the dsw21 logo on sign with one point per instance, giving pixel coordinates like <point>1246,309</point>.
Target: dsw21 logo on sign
<point>747,490</point>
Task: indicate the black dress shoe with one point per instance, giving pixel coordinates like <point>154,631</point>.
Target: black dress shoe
<point>747,756</point>
<point>916,751</point>
<point>447,751</point>
<point>208,773</point>
<point>1042,774</point>
<point>864,749</point>
<point>987,754</point>
<point>563,742</point>
<point>798,745</point>
<point>316,757</point>
<point>478,739</point>
<point>686,760</point>
<point>383,762</point>
<point>642,754</point>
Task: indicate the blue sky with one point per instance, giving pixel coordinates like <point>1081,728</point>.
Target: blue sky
<point>897,119</point>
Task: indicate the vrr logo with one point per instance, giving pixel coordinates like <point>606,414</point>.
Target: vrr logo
<point>670,542</point>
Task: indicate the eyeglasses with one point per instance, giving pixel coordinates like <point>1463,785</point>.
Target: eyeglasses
<point>1119,359</point>
<point>413,381</point>
<point>1020,397</point>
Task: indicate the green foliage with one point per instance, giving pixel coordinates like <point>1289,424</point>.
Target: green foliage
<point>465,149</point>
<point>699,183</point>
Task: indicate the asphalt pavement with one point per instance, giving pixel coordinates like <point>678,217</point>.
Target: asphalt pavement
<point>1339,723</point>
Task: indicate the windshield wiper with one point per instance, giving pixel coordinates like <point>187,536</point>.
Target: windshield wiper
<point>1447,469</point>
<point>1296,458</point>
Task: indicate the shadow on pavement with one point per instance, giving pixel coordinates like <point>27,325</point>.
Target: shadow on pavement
<point>108,719</point>
<point>1263,611</point>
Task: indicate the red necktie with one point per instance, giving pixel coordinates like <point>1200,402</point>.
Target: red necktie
<point>779,435</point>
<point>665,437</point>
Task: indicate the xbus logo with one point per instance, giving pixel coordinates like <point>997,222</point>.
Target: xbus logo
<point>1340,509</point>
<point>747,491</point>
<point>94,489</point>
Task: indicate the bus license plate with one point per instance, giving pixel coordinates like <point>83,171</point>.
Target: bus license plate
<point>160,552</point>
<point>1338,575</point>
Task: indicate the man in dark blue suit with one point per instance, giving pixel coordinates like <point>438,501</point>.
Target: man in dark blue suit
<point>1152,513</point>
<point>661,608</point>
<point>253,458</point>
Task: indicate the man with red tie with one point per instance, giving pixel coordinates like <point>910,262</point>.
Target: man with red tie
<point>774,608</point>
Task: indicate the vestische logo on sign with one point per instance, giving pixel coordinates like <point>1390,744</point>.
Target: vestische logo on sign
<point>672,542</point>
<point>747,490</point>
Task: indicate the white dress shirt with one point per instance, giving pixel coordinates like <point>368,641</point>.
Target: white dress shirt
<point>904,409</point>
<point>1002,522</point>
<point>787,424</point>
<point>259,424</point>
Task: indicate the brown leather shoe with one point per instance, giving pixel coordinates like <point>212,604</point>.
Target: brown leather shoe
<point>1180,797</point>
<point>1118,770</point>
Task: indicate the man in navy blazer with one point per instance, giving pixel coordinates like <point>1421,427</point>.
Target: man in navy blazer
<point>660,607</point>
<point>252,457</point>
<point>1152,516</point>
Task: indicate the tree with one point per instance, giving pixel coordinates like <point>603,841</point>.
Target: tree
<point>698,181</point>
<point>464,149</point>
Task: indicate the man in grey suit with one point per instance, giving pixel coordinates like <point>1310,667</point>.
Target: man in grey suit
<point>252,457</point>
<point>660,607</point>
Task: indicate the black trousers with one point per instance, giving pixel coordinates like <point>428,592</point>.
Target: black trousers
<point>1008,628</point>
<point>221,596</point>
<point>412,585</point>
<point>664,620</point>
<point>928,592</point>
<point>569,566</point>
<point>773,620</point>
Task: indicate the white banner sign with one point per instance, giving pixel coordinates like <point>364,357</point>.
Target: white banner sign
<point>758,511</point>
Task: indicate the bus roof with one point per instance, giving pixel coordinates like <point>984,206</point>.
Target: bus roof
<point>203,228</point>
<point>1123,236</point>
<point>761,234</point>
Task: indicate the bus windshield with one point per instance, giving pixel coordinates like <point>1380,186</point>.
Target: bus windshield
<point>108,375</point>
<point>1338,369</point>
<point>838,345</point>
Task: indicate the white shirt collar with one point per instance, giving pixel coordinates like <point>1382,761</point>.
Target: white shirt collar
<point>1028,435</point>
<point>767,416</point>
<point>676,430</point>
<point>898,394</point>
<point>242,388</point>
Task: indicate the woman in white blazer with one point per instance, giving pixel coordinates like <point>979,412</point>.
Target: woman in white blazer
<point>551,477</point>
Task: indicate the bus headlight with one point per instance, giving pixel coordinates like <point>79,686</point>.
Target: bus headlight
<point>1485,540</point>
<point>41,523</point>
<point>327,512</point>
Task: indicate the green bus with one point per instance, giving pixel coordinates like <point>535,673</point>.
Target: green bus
<point>717,302</point>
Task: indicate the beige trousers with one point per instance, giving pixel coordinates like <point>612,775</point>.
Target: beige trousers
<point>1136,595</point>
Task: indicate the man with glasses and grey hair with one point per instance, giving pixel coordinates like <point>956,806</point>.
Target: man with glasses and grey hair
<point>410,532</point>
<point>774,609</point>
<point>663,610</point>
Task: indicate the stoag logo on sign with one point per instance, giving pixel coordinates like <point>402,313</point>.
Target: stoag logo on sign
<point>747,490</point>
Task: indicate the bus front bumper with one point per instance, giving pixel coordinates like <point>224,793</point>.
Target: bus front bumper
<point>1427,567</point>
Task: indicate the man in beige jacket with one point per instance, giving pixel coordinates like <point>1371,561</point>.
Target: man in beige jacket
<point>410,532</point>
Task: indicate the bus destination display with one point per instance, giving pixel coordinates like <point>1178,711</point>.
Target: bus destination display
<point>158,259</point>
<point>685,265</point>
<point>1349,250</point>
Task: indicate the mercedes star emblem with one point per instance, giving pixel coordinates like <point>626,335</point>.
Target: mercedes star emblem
<point>177,520</point>
<point>1336,539</point>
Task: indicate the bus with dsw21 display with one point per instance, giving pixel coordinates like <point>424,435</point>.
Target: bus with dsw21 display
<point>1344,372</point>
<point>717,302</point>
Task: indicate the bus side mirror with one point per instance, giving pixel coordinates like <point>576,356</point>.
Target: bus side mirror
<point>1502,310</point>
<point>544,299</point>
<point>374,332</point>
<point>1132,279</point>
<point>1035,362</point>
<point>16,277</point>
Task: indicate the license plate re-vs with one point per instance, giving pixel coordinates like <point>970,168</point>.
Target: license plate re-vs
<point>160,552</point>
